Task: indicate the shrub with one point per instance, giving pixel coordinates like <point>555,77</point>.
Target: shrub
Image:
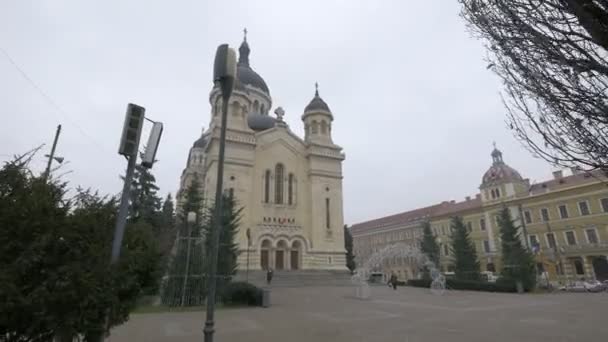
<point>419,282</point>
<point>242,293</point>
<point>453,284</point>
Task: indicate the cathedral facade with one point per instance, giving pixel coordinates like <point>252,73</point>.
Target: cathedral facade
<point>290,187</point>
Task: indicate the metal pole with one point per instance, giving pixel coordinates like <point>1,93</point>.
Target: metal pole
<point>215,233</point>
<point>247,273</point>
<point>48,165</point>
<point>188,228</point>
<point>121,220</point>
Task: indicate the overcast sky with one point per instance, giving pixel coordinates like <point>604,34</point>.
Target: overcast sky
<point>415,109</point>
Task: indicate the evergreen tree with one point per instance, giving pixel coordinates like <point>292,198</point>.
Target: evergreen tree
<point>348,244</point>
<point>429,245</point>
<point>145,202</point>
<point>228,248</point>
<point>168,212</point>
<point>466,265</point>
<point>56,279</point>
<point>193,201</point>
<point>517,261</point>
<point>186,260</point>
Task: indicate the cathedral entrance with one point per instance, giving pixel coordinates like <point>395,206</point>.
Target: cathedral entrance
<point>295,255</point>
<point>265,255</point>
<point>279,261</point>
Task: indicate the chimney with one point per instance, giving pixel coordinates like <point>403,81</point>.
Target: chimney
<point>557,174</point>
<point>468,198</point>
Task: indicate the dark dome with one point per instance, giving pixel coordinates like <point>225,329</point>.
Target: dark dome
<point>201,142</point>
<point>317,104</point>
<point>246,76</point>
<point>500,172</point>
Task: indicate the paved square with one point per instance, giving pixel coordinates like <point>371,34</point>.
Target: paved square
<point>408,314</point>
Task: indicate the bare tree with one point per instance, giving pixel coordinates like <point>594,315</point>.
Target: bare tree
<point>552,58</point>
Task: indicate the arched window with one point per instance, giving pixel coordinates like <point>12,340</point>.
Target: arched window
<point>267,186</point>
<point>262,109</point>
<point>323,127</point>
<point>278,189</point>
<point>497,193</point>
<point>235,109</point>
<point>244,111</point>
<point>315,127</point>
<point>290,189</point>
<point>256,106</point>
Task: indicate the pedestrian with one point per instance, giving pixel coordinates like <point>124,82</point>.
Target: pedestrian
<point>393,281</point>
<point>269,276</point>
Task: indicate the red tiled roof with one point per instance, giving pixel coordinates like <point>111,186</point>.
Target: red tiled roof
<point>453,208</point>
<point>568,181</point>
<point>395,220</point>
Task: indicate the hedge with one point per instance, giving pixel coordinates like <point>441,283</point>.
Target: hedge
<point>454,284</point>
<point>241,293</point>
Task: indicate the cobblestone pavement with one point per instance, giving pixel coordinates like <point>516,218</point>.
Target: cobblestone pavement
<point>408,315</point>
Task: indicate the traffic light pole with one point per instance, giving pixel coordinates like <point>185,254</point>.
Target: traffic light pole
<point>121,219</point>
<point>47,172</point>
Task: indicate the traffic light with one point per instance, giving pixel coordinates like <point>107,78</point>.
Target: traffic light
<point>131,131</point>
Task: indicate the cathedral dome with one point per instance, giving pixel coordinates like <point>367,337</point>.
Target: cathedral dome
<point>202,141</point>
<point>500,172</point>
<point>317,103</point>
<point>245,74</point>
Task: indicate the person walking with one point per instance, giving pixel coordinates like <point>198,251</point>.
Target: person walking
<point>269,276</point>
<point>393,281</point>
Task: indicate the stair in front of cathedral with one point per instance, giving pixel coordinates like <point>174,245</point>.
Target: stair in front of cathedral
<point>297,278</point>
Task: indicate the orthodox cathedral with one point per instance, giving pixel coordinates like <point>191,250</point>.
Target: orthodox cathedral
<point>290,187</point>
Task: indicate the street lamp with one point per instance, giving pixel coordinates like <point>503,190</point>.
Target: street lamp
<point>224,74</point>
<point>190,220</point>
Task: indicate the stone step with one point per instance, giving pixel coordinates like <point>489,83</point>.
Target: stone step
<point>299,278</point>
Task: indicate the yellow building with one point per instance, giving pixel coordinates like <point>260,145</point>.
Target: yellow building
<point>564,221</point>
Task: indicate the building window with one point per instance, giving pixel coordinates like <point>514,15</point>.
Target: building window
<point>497,193</point>
<point>604,203</point>
<point>528,216</point>
<point>323,127</point>
<point>446,249</point>
<point>583,206</point>
<point>534,241</point>
<point>578,266</point>
<point>591,235</point>
<point>544,214</point>
<point>570,238</point>
<point>315,127</point>
<point>327,218</point>
<point>490,267</point>
<point>563,211</point>
<point>267,186</point>
<point>290,189</point>
<point>470,226</point>
<point>551,240</point>
<point>278,186</point>
<point>482,224</point>
<point>486,246</point>
<point>493,193</point>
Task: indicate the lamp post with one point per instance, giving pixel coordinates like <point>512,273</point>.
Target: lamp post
<point>224,74</point>
<point>190,220</point>
<point>248,246</point>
